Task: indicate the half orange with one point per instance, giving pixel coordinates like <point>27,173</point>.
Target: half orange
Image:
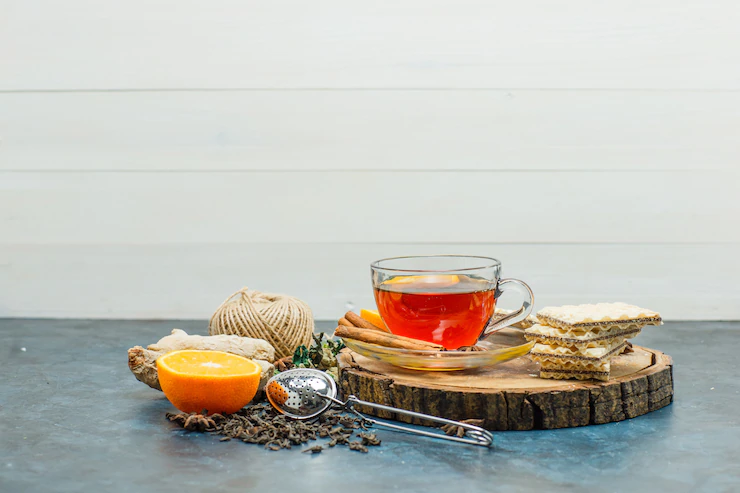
<point>216,381</point>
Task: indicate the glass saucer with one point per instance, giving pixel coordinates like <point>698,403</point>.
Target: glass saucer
<point>504,345</point>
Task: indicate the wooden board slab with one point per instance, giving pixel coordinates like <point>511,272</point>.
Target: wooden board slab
<point>511,396</point>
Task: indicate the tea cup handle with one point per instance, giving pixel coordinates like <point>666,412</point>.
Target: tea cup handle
<point>518,315</point>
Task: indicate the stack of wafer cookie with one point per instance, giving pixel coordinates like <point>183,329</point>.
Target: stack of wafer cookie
<point>579,341</point>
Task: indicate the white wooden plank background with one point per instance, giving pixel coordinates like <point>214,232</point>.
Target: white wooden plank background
<point>144,44</point>
<point>371,130</point>
<point>156,156</point>
<point>258,207</point>
<point>190,281</point>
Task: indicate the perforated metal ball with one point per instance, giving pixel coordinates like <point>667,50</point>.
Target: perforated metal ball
<point>297,393</point>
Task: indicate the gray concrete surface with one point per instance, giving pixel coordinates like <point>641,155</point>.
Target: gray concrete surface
<point>73,418</point>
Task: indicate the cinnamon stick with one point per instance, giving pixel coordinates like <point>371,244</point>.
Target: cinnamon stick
<point>384,339</point>
<point>358,321</point>
<point>345,322</point>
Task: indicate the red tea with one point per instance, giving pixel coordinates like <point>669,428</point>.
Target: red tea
<point>450,310</point>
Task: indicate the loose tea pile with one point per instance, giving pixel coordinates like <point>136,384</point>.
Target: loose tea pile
<point>261,424</point>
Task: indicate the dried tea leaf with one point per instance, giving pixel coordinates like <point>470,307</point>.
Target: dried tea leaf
<point>369,439</point>
<point>316,449</point>
<point>358,446</point>
<point>459,431</point>
<point>349,422</point>
<point>340,439</point>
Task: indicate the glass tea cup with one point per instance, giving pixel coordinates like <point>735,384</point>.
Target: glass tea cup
<point>444,299</point>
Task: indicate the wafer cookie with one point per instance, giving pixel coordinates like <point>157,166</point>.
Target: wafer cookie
<point>599,315</point>
<point>601,337</point>
<point>562,354</point>
<point>577,371</point>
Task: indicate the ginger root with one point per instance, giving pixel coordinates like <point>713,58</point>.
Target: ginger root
<point>241,346</point>
<point>142,362</point>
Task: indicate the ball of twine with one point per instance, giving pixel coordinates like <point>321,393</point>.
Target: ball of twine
<point>283,321</point>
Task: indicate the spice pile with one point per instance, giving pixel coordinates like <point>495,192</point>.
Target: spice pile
<point>261,424</point>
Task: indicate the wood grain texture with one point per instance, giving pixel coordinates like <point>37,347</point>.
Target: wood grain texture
<point>154,208</point>
<point>511,396</point>
<point>371,130</point>
<point>155,155</point>
<point>81,44</point>
<point>692,282</point>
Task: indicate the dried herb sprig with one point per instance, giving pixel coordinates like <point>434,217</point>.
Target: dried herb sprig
<point>322,355</point>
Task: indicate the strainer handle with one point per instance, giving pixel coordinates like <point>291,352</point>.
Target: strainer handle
<point>474,435</point>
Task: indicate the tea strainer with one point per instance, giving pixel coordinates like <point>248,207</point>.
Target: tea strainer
<point>305,393</point>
